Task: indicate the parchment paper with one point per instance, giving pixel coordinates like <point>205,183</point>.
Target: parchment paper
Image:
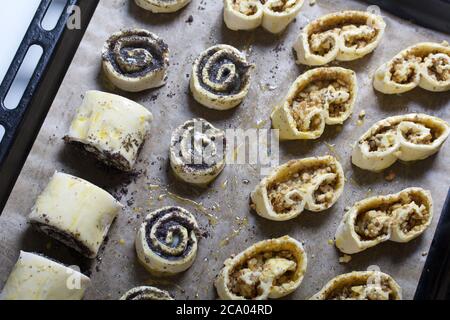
<point>225,213</point>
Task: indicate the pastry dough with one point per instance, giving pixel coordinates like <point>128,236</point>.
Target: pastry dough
<point>197,151</point>
<point>162,6</point>
<point>135,60</point>
<point>360,285</point>
<point>113,128</point>
<point>166,242</point>
<point>425,64</point>
<point>268,269</point>
<point>399,217</point>
<point>344,36</point>
<point>220,77</point>
<point>319,96</point>
<point>146,293</point>
<point>314,184</point>
<point>75,212</point>
<point>272,15</point>
<point>35,277</point>
<point>408,137</point>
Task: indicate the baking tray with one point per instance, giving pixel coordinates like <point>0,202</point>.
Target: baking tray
<point>222,209</point>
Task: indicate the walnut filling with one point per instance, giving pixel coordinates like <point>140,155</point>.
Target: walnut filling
<point>372,224</point>
<point>404,70</point>
<point>249,8</point>
<point>362,290</point>
<point>438,67</point>
<point>280,5</point>
<point>412,214</point>
<point>254,277</point>
<point>382,140</point>
<point>246,7</point>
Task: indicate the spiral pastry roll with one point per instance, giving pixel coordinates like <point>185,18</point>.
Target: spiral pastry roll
<point>220,77</point>
<point>407,137</point>
<point>75,212</point>
<point>319,96</point>
<point>314,184</point>
<point>399,217</point>
<point>268,269</point>
<point>360,285</point>
<point>146,293</point>
<point>162,6</point>
<point>166,242</point>
<point>135,60</point>
<point>35,277</point>
<point>425,64</point>
<point>272,15</point>
<point>197,151</point>
<point>344,36</point>
<point>111,127</point>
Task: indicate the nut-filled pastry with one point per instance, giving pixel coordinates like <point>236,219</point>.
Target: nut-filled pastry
<point>135,60</point>
<point>425,64</point>
<point>146,293</point>
<point>220,77</point>
<point>166,242</point>
<point>75,212</point>
<point>319,96</point>
<point>197,151</point>
<point>162,6</point>
<point>268,269</point>
<point>407,137</point>
<point>399,217</point>
<point>111,127</point>
<point>343,36</point>
<point>272,15</point>
<point>35,277</point>
<point>360,285</point>
<point>313,184</point>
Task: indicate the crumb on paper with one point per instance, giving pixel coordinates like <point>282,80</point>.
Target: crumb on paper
<point>312,2</point>
<point>331,242</point>
<point>359,123</point>
<point>424,253</point>
<point>390,176</point>
<point>121,242</point>
<point>362,114</point>
<point>346,208</point>
<point>345,258</point>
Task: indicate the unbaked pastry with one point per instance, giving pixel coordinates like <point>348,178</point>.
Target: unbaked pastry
<point>344,36</point>
<point>314,184</point>
<point>425,64</point>
<point>146,293</point>
<point>166,242</point>
<point>272,15</point>
<point>319,96</point>
<point>360,285</point>
<point>407,137</point>
<point>162,6</point>
<point>268,269</point>
<point>398,217</point>
<point>220,77</point>
<point>135,60</point>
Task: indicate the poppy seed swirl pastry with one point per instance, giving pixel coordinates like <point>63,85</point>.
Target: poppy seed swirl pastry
<point>35,277</point>
<point>425,64</point>
<point>399,217</point>
<point>197,151</point>
<point>407,137</point>
<point>344,36</point>
<point>162,6</point>
<point>272,15</point>
<point>319,96</point>
<point>268,269</point>
<point>220,77</point>
<point>360,285</point>
<point>135,60</point>
<point>313,184</point>
<point>146,293</point>
<point>166,242</point>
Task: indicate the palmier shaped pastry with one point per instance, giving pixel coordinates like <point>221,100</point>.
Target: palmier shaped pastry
<point>407,137</point>
<point>220,77</point>
<point>425,64</point>
<point>399,217</point>
<point>319,96</point>
<point>166,242</point>
<point>197,151</point>
<point>268,269</point>
<point>162,6</point>
<point>135,60</point>
<point>360,285</point>
<point>344,36</point>
<point>146,293</point>
<point>272,15</point>
<point>313,184</point>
